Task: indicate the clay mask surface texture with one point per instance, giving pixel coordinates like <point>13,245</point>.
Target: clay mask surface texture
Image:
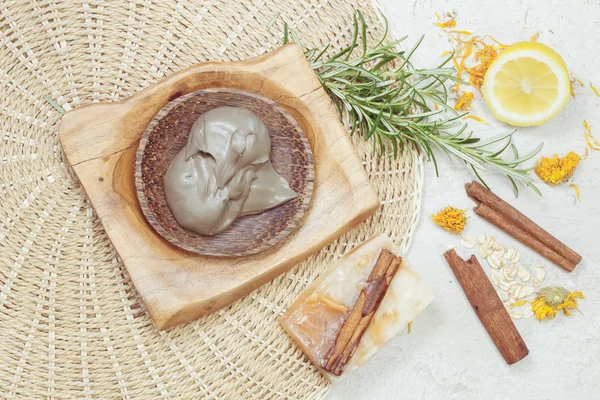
<point>224,172</point>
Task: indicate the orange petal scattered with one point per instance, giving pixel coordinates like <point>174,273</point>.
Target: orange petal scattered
<point>577,192</point>
<point>473,54</point>
<point>594,90</point>
<point>476,118</point>
<point>592,142</point>
<point>464,101</point>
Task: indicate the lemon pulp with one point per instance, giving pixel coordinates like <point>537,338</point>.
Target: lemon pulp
<point>527,84</point>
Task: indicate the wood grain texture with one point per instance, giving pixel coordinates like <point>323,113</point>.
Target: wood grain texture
<point>100,143</point>
<point>168,133</point>
<point>488,306</point>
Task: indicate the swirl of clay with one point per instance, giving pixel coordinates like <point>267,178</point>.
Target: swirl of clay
<point>224,172</point>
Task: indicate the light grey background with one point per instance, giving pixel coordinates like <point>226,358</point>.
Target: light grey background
<point>449,354</point>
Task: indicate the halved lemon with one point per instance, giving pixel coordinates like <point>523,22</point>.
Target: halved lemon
<point>527,84</point>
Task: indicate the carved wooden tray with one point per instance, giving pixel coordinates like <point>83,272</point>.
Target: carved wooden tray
<point>100,143</point>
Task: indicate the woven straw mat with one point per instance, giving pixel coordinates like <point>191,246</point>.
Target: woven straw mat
<point>71,322</point>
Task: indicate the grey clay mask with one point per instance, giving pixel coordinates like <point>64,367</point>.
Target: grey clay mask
<point>224,172</point>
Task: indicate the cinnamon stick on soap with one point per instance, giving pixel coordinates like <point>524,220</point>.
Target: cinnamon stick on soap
<point>356,323</point>
<point>488,306</point>
<point>512,221</point>
<point>361,301</point>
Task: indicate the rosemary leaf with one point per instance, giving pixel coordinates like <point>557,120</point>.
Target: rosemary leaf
<point>383,98</point>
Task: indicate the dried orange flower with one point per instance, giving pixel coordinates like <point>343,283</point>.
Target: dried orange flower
<point>556,170</point>
<point>551,300</point>
<point>451,219</point>
<point>464,102</point>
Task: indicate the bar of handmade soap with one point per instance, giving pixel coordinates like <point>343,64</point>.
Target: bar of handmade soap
<point>315,320</point>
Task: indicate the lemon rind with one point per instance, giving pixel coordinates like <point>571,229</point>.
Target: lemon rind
<point>542,54</point>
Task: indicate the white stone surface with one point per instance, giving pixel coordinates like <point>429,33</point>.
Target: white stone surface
<point>449,354</point>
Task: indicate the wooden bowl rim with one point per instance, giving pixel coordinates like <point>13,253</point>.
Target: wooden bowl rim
<point>293,224</point>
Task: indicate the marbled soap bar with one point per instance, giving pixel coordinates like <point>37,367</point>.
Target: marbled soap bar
<point>325,309</point>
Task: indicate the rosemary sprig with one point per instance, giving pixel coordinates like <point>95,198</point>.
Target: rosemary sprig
<point>383,98</point>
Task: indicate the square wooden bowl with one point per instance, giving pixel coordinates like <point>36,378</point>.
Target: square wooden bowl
<point>100,143</point>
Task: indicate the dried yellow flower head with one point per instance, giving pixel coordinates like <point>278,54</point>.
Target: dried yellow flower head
<point>551,300</point>
<point>451,219</point>
<point>556,170</point>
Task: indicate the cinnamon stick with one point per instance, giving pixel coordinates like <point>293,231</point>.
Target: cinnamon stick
<point>508,217</point>
<point>365,307</point>
<point>516,231</point>
<point>488,306</point>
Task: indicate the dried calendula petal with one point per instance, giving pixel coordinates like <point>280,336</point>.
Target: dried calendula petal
<point>540,274</point>
<point>451,219</point>
<point>467,242</point>
<point>519,303</point>
<point>447,22</point>
<point>577,191</point>
<point>464,101</point>
<point>592,142</point>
